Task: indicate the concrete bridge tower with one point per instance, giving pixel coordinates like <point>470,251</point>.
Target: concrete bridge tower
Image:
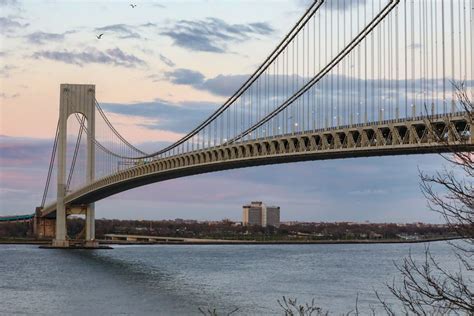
<point>75,98</point>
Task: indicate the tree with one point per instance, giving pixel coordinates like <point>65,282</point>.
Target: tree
<point>427,288</point>
<point>291,307</point>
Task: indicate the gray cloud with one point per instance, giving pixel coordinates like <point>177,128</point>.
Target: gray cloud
<point>5,70</point>
<point>176,117</point>
<point>43,37</point>
<point>337,5</point>
<point>155,78</point>
<point>226,85</point>
<point>10,24</point>
<point>167,61</point>
<point>212,34</point>
<point>342,5</point>
<point>414,46</point>
<point>149,24</point>
<point>121,30</point>
<point>185,77</point>
<point>8,96</point>
<point>6,3</point>
<point>222,85</point>
<point>113,56</point>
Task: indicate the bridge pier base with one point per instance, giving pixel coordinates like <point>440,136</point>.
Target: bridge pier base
<point>60,243</point>
<point>91,244</point>
<point>60,240</point>
<point>90,241</point>
<point>44,228</point>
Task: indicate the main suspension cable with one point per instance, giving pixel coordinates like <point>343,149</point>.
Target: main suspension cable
<point>51,166</point>
<point>116,132</point>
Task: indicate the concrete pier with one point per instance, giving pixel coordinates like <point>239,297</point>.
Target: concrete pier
<point>74,99</point>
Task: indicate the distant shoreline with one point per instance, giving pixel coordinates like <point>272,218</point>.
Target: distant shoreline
<point>242,242</point>
<point>281,242</point>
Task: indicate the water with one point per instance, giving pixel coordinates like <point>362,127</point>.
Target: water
<point>177,279</point>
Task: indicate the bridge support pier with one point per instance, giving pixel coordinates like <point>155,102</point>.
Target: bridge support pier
<point>44,228</point>
<point>59,240</point>
<point>90,241</point>
<point>74,98</point>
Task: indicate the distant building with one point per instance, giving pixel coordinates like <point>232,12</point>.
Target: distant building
<point>257,213</point>
<point>273,216</point>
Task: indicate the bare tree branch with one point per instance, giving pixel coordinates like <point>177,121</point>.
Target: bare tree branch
<point>427,288</point>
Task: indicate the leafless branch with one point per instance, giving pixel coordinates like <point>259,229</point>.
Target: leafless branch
<point>427,288</point>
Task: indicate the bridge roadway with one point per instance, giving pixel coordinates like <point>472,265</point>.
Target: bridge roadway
<point>419,135</point>
<point>17,218</point>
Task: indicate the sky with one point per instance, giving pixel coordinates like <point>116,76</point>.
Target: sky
<point>160,68</point>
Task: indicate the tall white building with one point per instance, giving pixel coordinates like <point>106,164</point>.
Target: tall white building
<point>257,213</point>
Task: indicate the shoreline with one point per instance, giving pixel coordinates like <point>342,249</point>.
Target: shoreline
<point>243,242</point>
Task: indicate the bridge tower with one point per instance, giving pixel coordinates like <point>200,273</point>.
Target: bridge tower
<point>75,98</point>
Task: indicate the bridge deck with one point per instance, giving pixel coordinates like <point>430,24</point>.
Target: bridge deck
<point>434,134</point>
<point>17,218</point>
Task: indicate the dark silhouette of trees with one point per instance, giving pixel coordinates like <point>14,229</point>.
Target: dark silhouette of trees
<point>427,288</point>
<point>15,229</point>
<point>291,307</point>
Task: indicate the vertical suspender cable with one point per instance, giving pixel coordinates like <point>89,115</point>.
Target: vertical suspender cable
<point>443,56</point>
<point>406,60</point>
<point>453,64</point>
<point>397,108</point>
<point>365,65</point>
<point>81,121</point>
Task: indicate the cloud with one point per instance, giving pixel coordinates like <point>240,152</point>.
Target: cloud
<point>414,46</point>
<point>149,24</point>
<point>115,57</point>
<point>10,24</point>
<point>5,70</point>
<point>6,3</point>
<point>337,5</point>
<point>342,5</point>
<point>42,37</point>
<point>185,77</point>
<point>16,151</point>
<point>167,116</point>
<point>121,30</point>
<point>222,85</point>
<point>158,5</point>
<point>8,96</point>
<point>167,61</point>
<point>138,128</point>
<point>212,34</point>
<point>155,77</point>
<point>226,85</point>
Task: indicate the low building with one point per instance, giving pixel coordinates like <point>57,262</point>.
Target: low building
<point>257,213</point>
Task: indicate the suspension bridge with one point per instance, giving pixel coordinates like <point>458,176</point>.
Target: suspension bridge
<point>350,79</point>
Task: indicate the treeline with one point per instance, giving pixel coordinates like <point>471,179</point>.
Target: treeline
<point>16,230</point>
<point>366,231</point>
<point>227,229</point>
